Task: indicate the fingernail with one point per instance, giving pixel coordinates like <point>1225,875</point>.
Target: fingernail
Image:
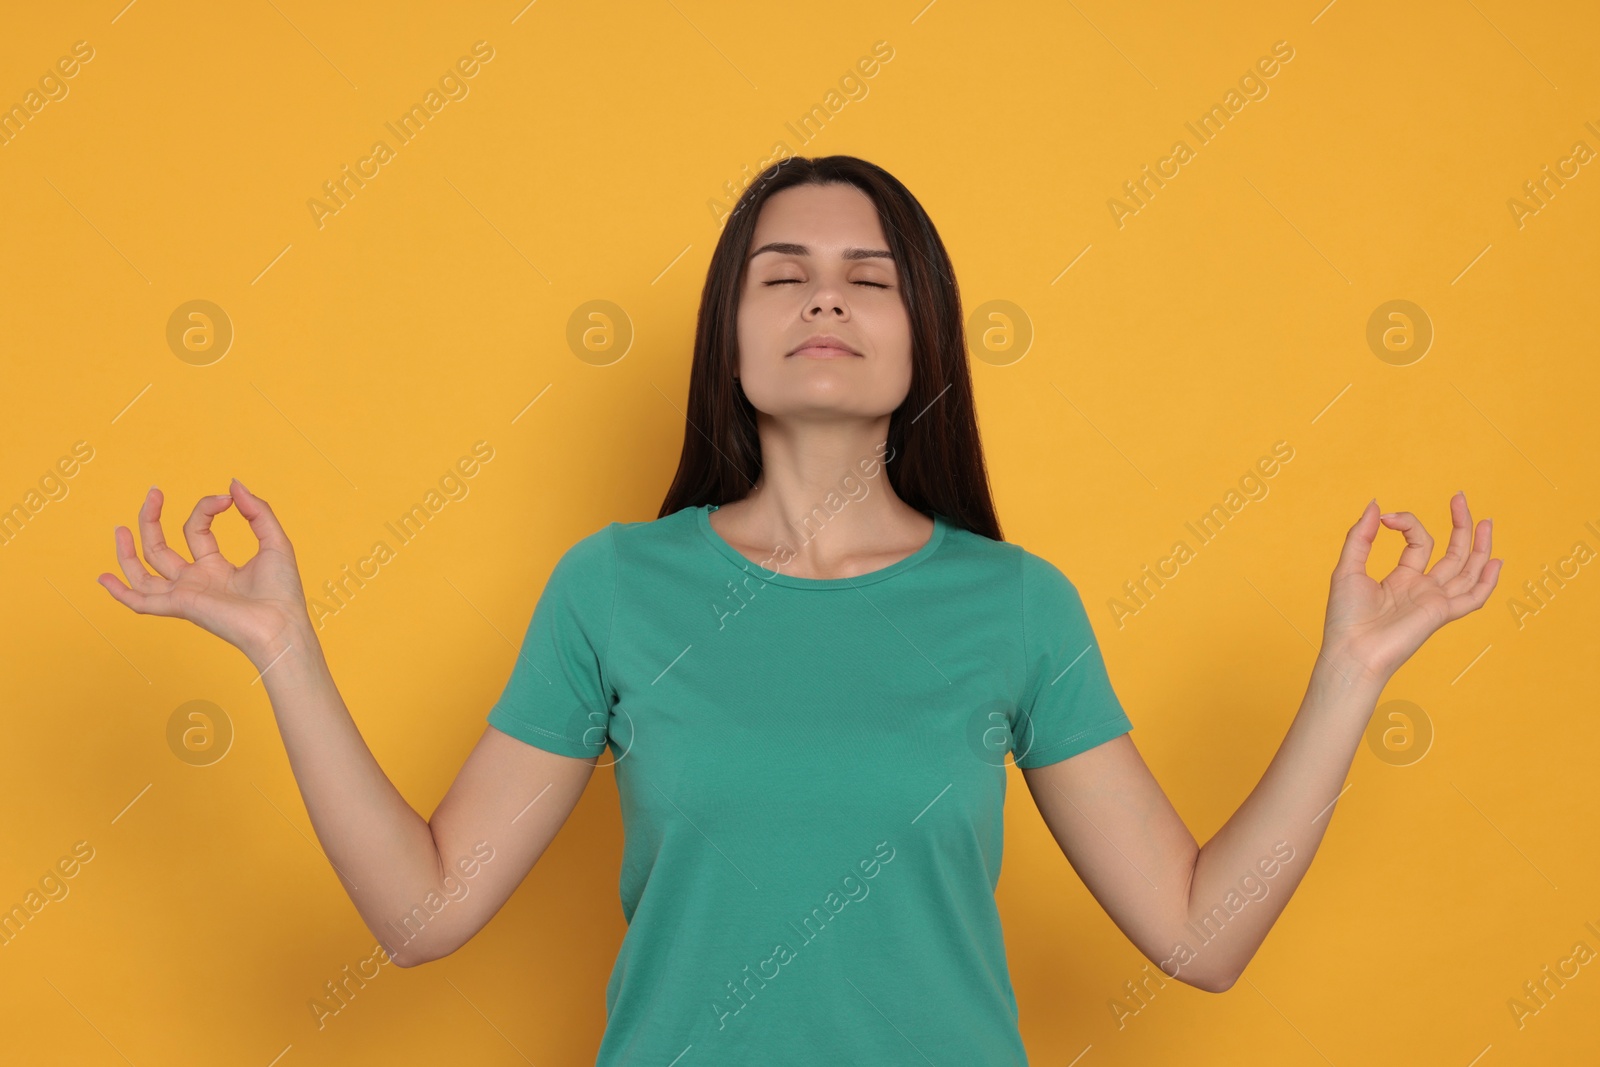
<point>1388,514</point>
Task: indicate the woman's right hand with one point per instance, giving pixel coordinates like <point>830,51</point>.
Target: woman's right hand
<point>259,607</point>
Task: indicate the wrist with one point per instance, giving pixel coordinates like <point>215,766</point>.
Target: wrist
<point>292,644</point>
<point>1339,669</point>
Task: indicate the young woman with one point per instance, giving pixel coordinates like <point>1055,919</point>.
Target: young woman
<point>807,671</point>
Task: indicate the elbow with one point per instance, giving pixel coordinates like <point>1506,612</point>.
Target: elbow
<point>412,955</point>
<point>408,960</point>
<point>1210,983</point>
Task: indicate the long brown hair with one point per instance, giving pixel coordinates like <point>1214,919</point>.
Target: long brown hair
<point>934,459</point>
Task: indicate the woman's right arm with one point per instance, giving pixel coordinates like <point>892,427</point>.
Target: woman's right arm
<point>422,886</point>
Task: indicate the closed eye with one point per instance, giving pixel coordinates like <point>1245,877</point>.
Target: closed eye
<point>796,281</point>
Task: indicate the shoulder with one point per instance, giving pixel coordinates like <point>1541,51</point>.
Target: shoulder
<point>1048,595</point>
<point>616,545</point>
<point>1013,561</point>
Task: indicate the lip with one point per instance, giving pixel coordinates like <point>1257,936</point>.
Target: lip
<point>824,346</point>
<point>823,352</point>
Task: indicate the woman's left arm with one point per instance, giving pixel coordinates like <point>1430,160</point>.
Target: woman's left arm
<point>1200,913</point>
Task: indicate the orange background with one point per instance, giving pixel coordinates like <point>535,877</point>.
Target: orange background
<point>1167,355</point>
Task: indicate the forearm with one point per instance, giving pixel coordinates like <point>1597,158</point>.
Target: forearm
<point>1244,876</point>
<point>382,850</point>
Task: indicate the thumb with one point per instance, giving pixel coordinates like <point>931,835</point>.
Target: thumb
<point>263,523</point>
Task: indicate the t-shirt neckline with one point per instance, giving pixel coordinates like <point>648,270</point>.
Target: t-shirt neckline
<point>703,520</point>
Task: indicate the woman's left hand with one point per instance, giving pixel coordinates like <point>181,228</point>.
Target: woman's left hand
<point>1376,626</point>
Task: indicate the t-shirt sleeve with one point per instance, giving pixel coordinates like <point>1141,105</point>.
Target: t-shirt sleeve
<point>1068,705</point>
<point>559,695</point>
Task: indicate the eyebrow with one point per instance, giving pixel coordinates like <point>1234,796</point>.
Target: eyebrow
<point>786,248</point>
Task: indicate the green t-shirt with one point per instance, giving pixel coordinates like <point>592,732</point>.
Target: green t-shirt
<point>811,775</point>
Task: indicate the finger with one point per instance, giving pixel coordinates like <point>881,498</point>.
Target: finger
<point>1358,543</point>
<point>1455,553</point>
<point>197,531</point>
<point>145,604</point>
<point>1478,595</point>
<point>263,522</point>
<point>149,593</point>
<point>1472,571</point>
<point>132,566</point>
<point>1419,543</point>
<point>157,552</point>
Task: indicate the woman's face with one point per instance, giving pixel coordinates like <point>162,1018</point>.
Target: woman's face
<point>818,263</point>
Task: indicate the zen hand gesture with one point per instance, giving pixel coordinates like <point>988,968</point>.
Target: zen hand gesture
<point>1378,625</point>
<point>255,607</point>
